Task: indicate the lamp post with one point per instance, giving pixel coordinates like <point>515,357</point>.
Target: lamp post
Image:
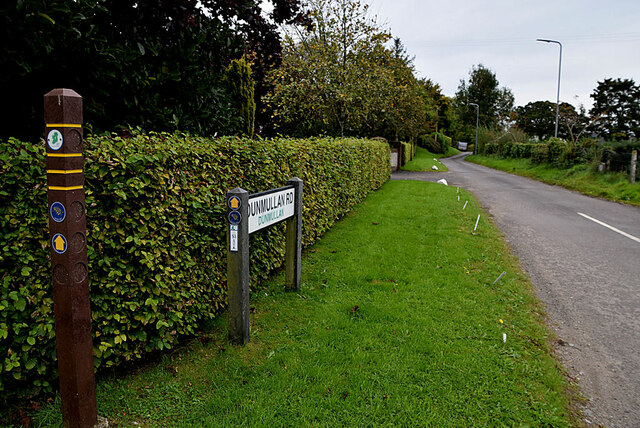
<point>475,147</point>
<point>559,70</point>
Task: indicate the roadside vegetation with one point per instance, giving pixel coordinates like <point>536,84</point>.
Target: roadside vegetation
<point>399,322</point>
<point>585,179</point>
<point>424,160</point>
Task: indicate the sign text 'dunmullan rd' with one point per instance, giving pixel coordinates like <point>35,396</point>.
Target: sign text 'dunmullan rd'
<point>270,208</point>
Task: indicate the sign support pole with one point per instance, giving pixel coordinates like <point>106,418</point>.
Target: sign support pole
<point>69,266</point>
<point>238,265</point>
<point>293,260</point>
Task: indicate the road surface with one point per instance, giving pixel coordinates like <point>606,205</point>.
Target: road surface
<point>583,256</point>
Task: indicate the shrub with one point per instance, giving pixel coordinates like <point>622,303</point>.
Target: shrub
<point>559,153</point>
<point>508,149</point>
<point>241,88</point>
<point>155,236</point>
<point>429,143</point>
<point>539,153</point>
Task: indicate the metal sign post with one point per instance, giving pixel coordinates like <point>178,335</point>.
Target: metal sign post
<point>69,267</point>
<point>247,214</point>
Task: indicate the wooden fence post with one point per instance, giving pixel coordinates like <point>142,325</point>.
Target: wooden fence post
<point>634,163</point>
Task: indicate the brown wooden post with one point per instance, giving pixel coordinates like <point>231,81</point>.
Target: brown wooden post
<point>293,249</point>
<point>69,267</point>
<point>238,265</point>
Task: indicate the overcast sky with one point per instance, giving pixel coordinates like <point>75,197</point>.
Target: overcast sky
<point>601,39</point>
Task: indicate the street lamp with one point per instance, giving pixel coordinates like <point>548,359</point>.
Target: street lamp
<point>559,70</point>
<point>475,147</point>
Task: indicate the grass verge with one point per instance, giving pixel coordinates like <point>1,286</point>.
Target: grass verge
<point>424,160</point>
<point>582,178</point>
<point>398,323</point>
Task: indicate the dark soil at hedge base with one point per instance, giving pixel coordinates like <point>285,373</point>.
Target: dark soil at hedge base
<point>156,236</point>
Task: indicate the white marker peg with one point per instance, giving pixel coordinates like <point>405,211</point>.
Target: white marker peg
<point>458,198</point>
<point>501,275</point>
<point>504,337</point>
<point>465,205</point>
<point>474,229</point>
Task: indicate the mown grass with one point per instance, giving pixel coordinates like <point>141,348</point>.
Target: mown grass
<point>424,160</point>
<point>398,324</point>
<point>582,178</point>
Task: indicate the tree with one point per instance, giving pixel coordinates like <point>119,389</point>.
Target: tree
<point>575,122</point>
<point>340,79</point>
<point>156,64</point>
<point>437,105</point>
<point>617,103</point>
<point>483,88</point>
<point>241,87</point>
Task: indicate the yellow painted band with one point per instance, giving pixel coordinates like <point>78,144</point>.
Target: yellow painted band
<point>64,125</point>
<point>63,171</point>
<point>65,188</point>
<point>64,155</point>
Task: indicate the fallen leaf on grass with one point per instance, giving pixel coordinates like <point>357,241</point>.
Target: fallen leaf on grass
<point>355,309</point>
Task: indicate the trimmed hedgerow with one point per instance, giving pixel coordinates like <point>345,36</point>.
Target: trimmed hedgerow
<point>156,236</point>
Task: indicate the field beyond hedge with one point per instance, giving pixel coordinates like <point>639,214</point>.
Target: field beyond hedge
<point>156,236</point>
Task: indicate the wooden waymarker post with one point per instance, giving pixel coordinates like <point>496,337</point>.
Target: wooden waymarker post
<point>247,214</point>
<point>69,267</point>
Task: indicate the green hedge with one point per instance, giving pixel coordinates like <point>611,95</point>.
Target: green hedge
<point>408,152</point>
<point>156,236</point>
<point>429,142</point>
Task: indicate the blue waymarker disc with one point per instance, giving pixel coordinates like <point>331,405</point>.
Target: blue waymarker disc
<point>235,217</point>
<point>57,211</point>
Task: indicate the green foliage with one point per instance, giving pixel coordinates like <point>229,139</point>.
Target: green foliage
<point>156,65</point>
<point>559,152</point>
<point>155,236</point>
<point>397,324</point>
<point>408,152</point>
<point>241,89</point>
<point>424,160</point>
<point>616,102</point>
<point>435,142</point>
<point>339,78</point>
<point>583,178</point>
<point>540,153</point>
<point>495,102</point>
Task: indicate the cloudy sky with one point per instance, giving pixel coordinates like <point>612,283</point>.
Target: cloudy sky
<point>601,39</point>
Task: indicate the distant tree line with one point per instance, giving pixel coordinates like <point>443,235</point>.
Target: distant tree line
<point>615,114</point>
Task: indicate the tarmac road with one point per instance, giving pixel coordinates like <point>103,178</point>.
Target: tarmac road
<point>586,273</point>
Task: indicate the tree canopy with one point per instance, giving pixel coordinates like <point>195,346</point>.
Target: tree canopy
<point>617,103</point>
<point>495,102</point>
<point>155,64</point>
<point>340,78</point>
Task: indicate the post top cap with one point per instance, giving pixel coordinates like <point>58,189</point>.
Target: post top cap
<point>63,92</point>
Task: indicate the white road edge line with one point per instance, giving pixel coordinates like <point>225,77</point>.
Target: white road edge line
<point>601,223</point>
